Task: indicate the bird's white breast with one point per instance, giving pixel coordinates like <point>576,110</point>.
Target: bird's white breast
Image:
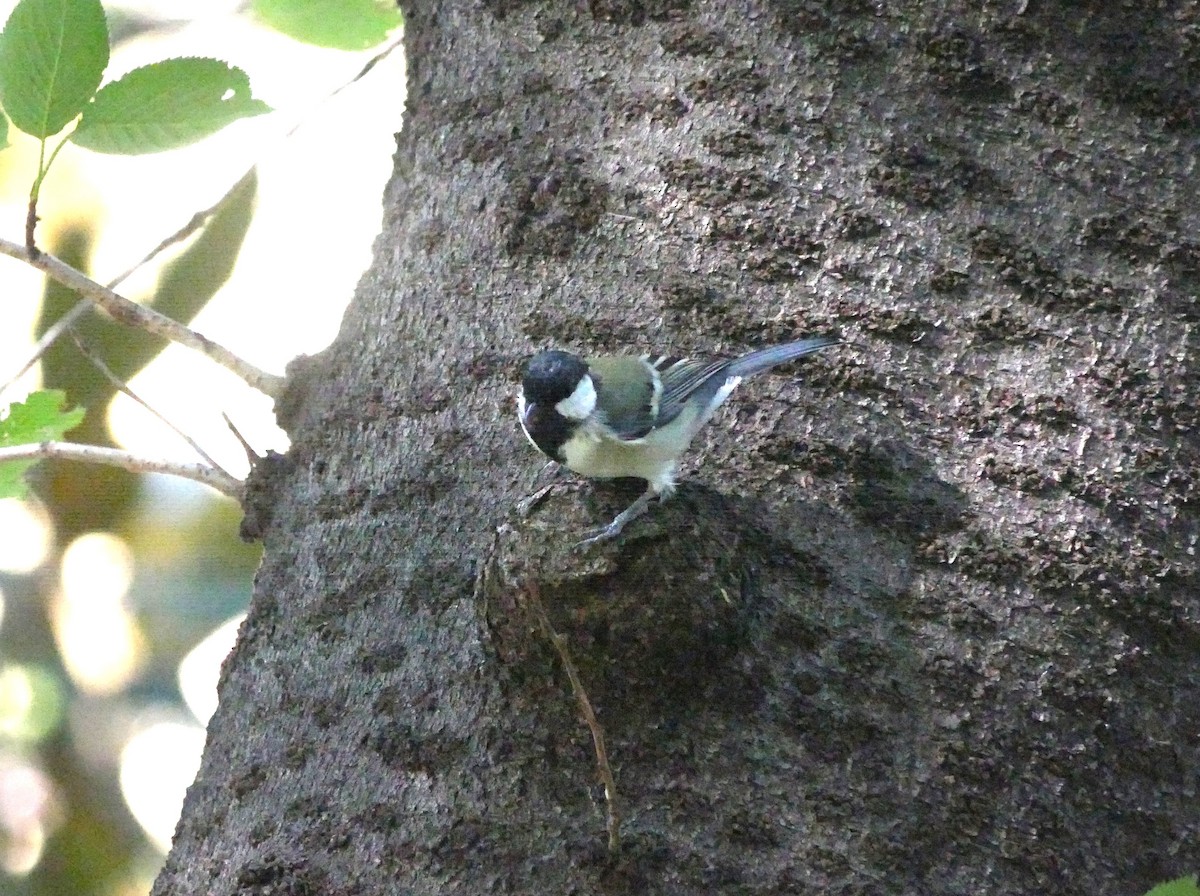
<point>595,451</point>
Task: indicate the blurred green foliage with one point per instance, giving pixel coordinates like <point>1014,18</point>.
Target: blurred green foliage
<point>192,572</point>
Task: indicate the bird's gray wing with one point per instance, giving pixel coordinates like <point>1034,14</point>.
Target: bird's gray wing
<point>633,404</point>
<point>703,381</point>
<point>682,379</point>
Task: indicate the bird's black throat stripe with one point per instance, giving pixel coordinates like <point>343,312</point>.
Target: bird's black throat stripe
<point>549,430</point>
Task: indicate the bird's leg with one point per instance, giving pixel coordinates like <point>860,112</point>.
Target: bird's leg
<point>613,529</point>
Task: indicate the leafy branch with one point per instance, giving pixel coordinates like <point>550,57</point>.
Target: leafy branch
<point>53,54</point>
<point>31,431</point>
<point>52,58</point>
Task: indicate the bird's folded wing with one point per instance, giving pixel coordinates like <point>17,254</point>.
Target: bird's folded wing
<point>683,379</point>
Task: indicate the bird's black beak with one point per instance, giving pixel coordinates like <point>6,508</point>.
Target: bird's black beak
<point>531,411</point>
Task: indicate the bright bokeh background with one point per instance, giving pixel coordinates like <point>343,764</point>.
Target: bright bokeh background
<point>111,638</point>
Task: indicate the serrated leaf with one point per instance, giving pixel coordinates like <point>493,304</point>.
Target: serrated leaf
<point>339,24</point>
<point>1184,886</point>
<point>166,105</point>
<point>52,56</point>
<point>40,418</point>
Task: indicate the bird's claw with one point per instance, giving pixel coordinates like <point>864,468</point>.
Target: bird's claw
<point>613,529</point>
<point>599,534</point>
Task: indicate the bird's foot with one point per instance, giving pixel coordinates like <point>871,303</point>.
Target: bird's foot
<point>599,534</point>
<point>613,529</point>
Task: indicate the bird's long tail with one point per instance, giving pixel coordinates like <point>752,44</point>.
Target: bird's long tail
<point>766,358</point>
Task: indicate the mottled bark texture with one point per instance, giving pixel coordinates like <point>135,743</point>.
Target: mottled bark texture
<point>926,619</point>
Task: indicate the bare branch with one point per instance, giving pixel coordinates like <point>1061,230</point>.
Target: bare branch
<point>196,222</point>
<point>60,326</point>
<point>251,454</point>
<point>371,63</point>
<point>121,386</point>
<point>80,308</point>
<point>115,457</point>
<point>132,314</point>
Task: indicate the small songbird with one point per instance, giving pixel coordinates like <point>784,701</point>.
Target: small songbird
<point>614,416</point>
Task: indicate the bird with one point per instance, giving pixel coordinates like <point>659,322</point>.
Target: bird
<point>624,415</point>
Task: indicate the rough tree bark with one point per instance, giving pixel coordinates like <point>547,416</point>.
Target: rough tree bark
<point>926,620</point>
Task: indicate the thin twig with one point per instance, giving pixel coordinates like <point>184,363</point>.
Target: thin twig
<point>31,219</point>
<point>196,222</point>
<point>589,718</point>
<point>48,339</point>
<point>362,73</point>
<point>132,314</point>
<point>251,455</point>
<point>80,308</point>
<point>121,386</point>
<point>115,457</point>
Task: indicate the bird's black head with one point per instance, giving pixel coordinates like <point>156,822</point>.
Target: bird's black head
<point>551,376</point>
<point>548,383</point>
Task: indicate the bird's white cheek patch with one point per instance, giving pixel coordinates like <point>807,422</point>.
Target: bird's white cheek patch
<point>580,403</point>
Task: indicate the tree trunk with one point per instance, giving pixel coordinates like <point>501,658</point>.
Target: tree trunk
<point>926,620</point>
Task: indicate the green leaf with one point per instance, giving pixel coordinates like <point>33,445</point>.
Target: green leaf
<point>3,130</point>
<point>340,24</point>
<point>166,105</point>
<point>52,56</point>
<point>40,418</point>
<point>1184,886</point>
